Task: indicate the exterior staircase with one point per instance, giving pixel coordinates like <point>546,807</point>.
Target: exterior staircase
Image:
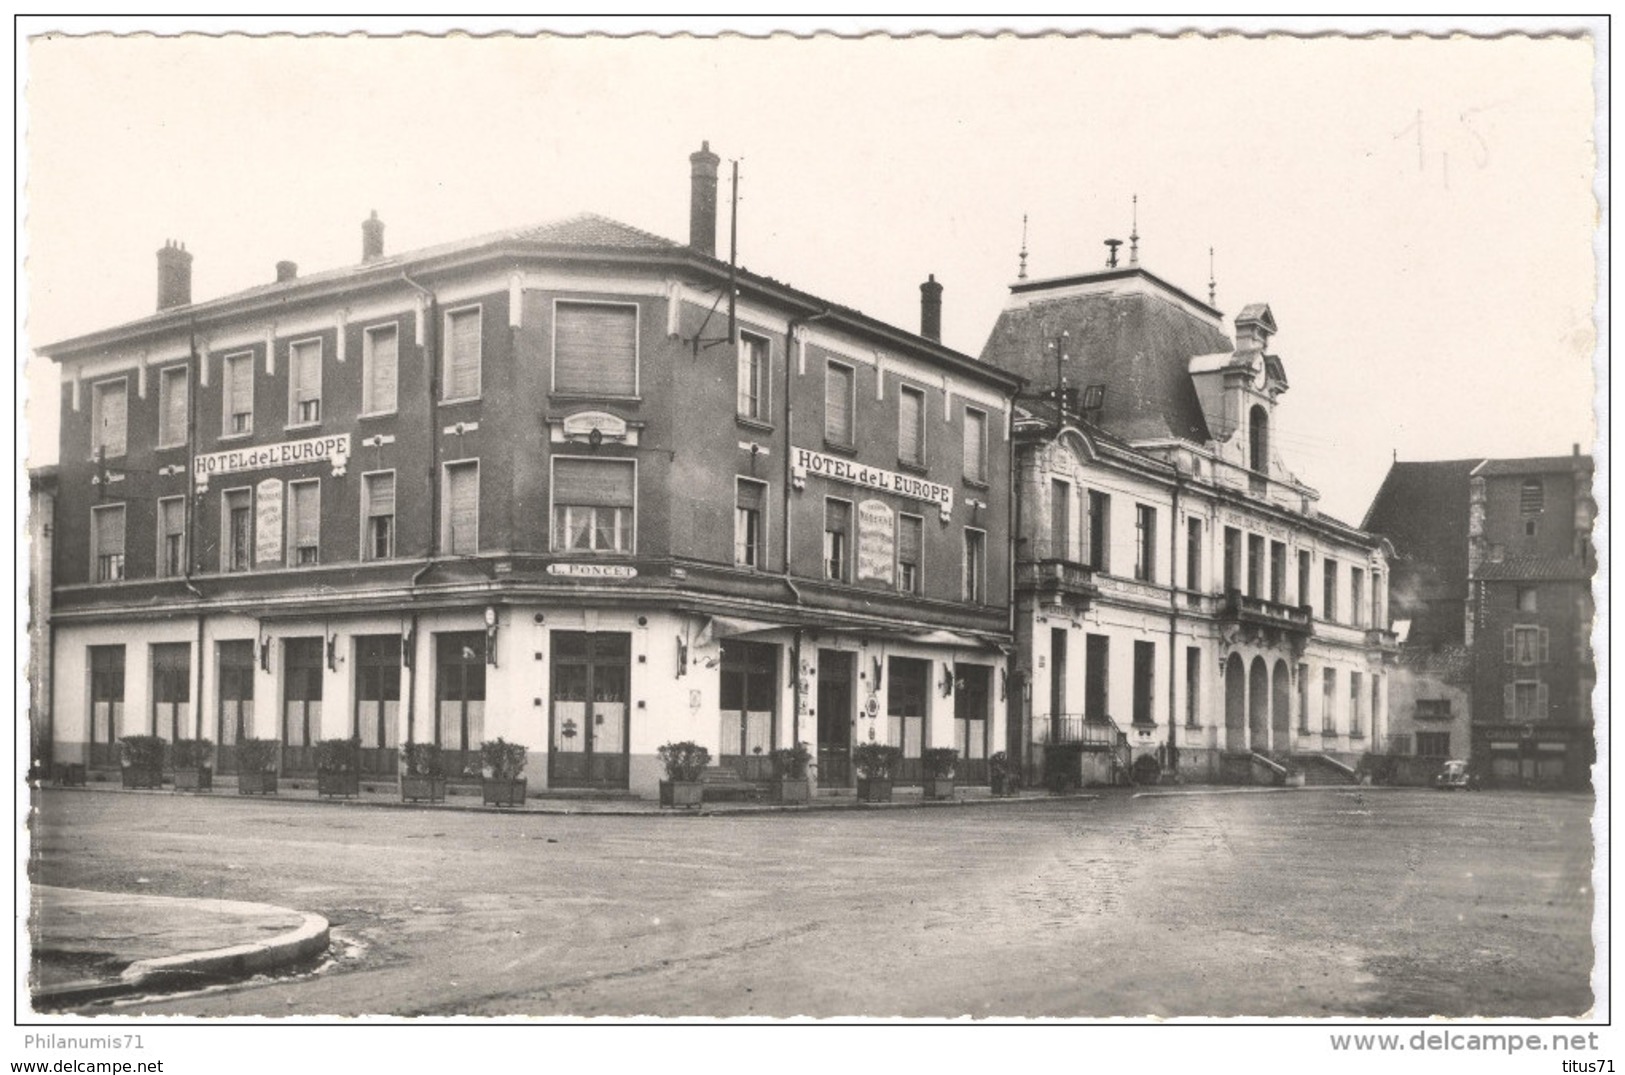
<point>1324,770</point>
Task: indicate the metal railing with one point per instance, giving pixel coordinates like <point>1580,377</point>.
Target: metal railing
<point>1055,729</point>
<point>1239,606</point>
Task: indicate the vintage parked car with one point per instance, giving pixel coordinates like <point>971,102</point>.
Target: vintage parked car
<point>1455,775</point>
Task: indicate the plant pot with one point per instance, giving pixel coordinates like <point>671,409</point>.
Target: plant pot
<point>199,779</point>
<point>504,792</point>
<point>682,793</point>
<point>142,778</point>
<point>256,782</point>
<point>874,790</point>
<point>792,790</point>
<point>420,789</point>
<point>70,774</point>
<point>334,783</point>
<point>939,787</point>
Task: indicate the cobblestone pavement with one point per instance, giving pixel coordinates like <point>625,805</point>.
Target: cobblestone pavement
<point>1348,902</point>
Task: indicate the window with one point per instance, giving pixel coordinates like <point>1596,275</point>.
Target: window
<point>837,539</point>
<point>171,691</point>
<point>461,369</point>
<point>173,407</point>
<point>1278,572</point>
<point>1527,601</point>
<point>1145,657</point>
<point>1356,700</point>
<point>460,522</point>
<point>237,524</point>
<point>975,566</point>
<point>753,377</point>
<point>1258,447</point>
<point>304,523</point>
<point>1357,596</point>
<point>305,383</point>
<point>238,396</point>
<point>1304,574</point>
<point>235,713</point>
<point>1094,397</point>
<point>109,414</point>
<point>301,701</point>
<point>911,426</point>
<point>106,703</point>
<point>1532,497</point>
<point>1433,744</point>
<point>910,552</point>
<point>839,402</point>
<point>1232,559</point>
<point>1193,686</point>
<point>1328,610</point>
<point>1527,645</point>
<point>746,694</point>
<point>1193,557</point>
<point>1100,529</point>
<point>378,515</point>
<point>1096,676</point>
<point>380,365</point>
<point>975,445</point>
<point>1376,703</point>
<point>107,543</point>
<point>1255,566</point>
<point>171,537</point>
<point>460,696</point>
<point>1328,702</point>
<point>750,536</point>
<point>1145,543</point>
<point>1060,520</point>
<point>1303,698</point>
<point>1379,614</point>
<point>1526,700</point>
<point>1433,709</point>
<point>595,349</point>
<point>377,691</point>
<point>594,504</point>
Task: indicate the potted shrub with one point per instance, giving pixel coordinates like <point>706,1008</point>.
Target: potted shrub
<point>790,782</point>
<point>938,763</point>
<point>338,767</point>
<point>502,765</point>
<point>190,759</point>
<point>423,774</point>
<point>1005,778</point>
<point>875,763</point>
<point>684,763</point>
<point>256,766</point>
<point>142,759</point>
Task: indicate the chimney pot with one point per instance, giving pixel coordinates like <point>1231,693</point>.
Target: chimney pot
<point>174,276</point>
<point>931,309</point>
<point>702,202</point>
<point>285,271</point>
<point>372,238</point>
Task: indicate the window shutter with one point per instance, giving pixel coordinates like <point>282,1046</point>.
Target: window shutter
<point>242,385</point>
<point>1542,700</point>
<point>910,432</point>
<point>113,418</point>
<point>1545,645</point>
<point>595,350</point>
<point>463,361</point>
<point>1508,647</point>
<point>463,504</point>
<point>593,483</point>
<point>110,532</point>
<point>975,445</point>
<point>381,494</point>
<point>750,496</point>
<point>381,387</point>
<point>175,406</point>
<point>838,404</point>
<point>174,516</point>
<point>307,513</point>
<point>307,368</point>
<point>908,541</point>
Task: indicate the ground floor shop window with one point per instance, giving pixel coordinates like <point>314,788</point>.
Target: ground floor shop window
<point>172,692</point>
<point>106,704</point>
<point>590,715</point>
<point>972,722</point>
<point>460,700</point>
<point>377,701</point>
<point>749,689</point>
<point>835,714</point>
<point>301,703</point>
<point>235,695</point>
<point>907,696</point>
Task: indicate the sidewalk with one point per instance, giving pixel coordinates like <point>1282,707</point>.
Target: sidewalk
<point>93,945</point>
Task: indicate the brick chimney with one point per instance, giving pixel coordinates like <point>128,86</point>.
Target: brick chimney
<point>372,238</point>
<point>931,309</point>
<point>174,276</point>
<point>702,202</point>
<point>285,271</point>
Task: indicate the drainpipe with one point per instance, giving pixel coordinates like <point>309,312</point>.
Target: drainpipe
<point>784,520</point>
<point>430,320</point>
<point>1173,626</point>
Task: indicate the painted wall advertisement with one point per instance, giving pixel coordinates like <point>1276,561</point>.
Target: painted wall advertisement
<point>268,521</point>
<point>877,541</point>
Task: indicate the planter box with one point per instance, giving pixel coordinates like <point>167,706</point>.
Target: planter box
<point>792,790</point>
<point>419,789</point>
<point>345,783</point>
<point>874,790</point>
<point>939,787</point>
<point>504,792</point>
<point>682,793</point>
<point>201,779</point>
<point>256,783</point>
<point>70,774</point>
<point>143,778</point>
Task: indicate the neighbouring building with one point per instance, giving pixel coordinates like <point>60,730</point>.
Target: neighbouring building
<point>41,510</point>
<point>1181,603</point>
<point>1495,563</point>
<point>577,486</point>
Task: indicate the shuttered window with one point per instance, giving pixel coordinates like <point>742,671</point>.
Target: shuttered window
<point>595,350</point>
<point>1527,645</point>
<point>171,536</point>
<point>461,533</point>
<point>837,539</point>
<point>378,374</point>
<point>305,382</point>
<point>838,404</point>
<point>748,518</point>
<point>239,395</point>
<point>462,355</point>
<point>172,403</point>
<point>975,445</point>
<point>910,531</point>
<point>237,551</point>
<point>107,536</point>
<point>108,418</point>
<point>593,505</point>
<point>753,379</point>
<point>304,523</point>
<point>911,426</point>
<point>378,516</point>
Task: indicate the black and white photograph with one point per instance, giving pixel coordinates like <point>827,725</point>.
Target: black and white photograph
<point>788,523</point>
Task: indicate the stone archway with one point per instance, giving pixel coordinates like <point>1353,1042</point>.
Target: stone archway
<point>1235,705</point>
<point>1281,706</point>
<point>1258,706</point>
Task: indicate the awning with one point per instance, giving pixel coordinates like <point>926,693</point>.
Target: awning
<point>719,627</point>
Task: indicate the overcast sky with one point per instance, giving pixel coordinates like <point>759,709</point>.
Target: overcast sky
<point>1418,213</point>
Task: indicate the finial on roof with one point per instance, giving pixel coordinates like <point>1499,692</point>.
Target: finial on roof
<point>1134,234</point>
<point>1212,288</point>
<point>1111,252</point>
<point>1021,273</point>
